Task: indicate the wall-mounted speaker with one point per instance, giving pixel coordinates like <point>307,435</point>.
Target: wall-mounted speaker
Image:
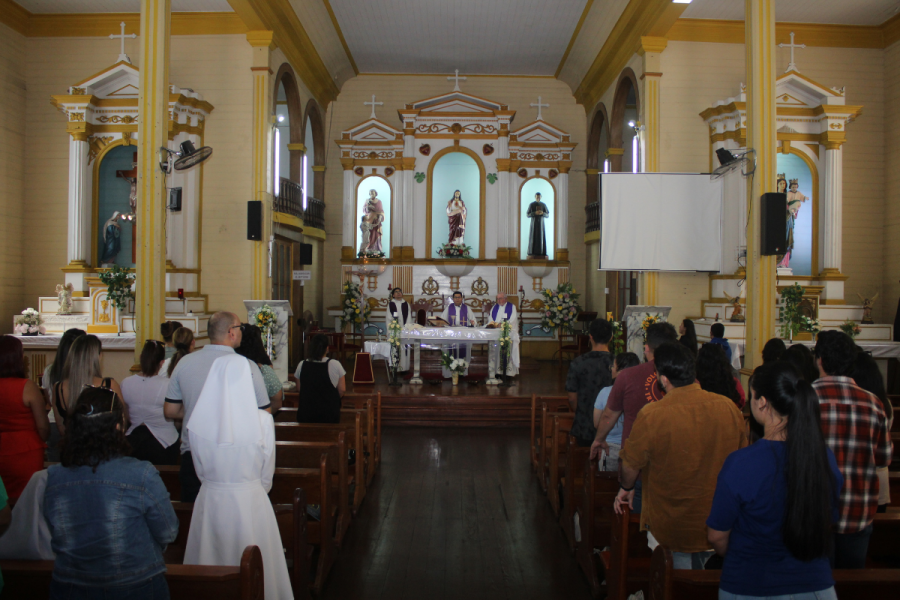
<point>254,220</point>
<point>773,224</point>
<point>306,254</point>
<point>175,199</point>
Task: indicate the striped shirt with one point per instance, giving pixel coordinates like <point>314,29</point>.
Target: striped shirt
<point>855,428</point>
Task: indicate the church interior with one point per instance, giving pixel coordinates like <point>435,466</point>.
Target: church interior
<point>734,164</point>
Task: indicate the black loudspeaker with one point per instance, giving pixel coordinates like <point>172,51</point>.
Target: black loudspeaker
<point>305,254</point>
<point>773,224</point>
<point>175,199</point>
<point>254,220</point>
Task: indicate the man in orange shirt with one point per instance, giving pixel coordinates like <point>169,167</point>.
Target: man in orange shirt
<point>678,446</point>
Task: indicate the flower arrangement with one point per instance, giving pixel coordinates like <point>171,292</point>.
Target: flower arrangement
<point>560,308</point>
<point>851,328</point>
<point>394,329</point>
<point>371,254</point>
<point>505,341</point>
<point>810,325</point>
<point>789,312</point>
<point>356,311</point>
<point>617,343</point>
<point>455,251</point>
<point>455,365</point>
<point>266,319</point>
<point>29,323</point>
<point>118,286</point>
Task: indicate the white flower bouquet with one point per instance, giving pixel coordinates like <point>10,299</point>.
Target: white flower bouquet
<point>267,320</point>
<point>455,365</point>
<point>29,323</point>
<point>354,310</point>
<point>561,308</point>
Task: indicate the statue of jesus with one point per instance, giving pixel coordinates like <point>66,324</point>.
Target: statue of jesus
<point>456,218</point>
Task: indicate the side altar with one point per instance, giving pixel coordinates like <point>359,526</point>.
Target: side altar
<point>451,196</point>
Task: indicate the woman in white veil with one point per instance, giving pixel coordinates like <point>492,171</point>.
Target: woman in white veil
<point>233,448</point>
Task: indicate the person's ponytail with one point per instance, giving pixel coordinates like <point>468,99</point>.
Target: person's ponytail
<point>182,339</point>
<point>810,484</point>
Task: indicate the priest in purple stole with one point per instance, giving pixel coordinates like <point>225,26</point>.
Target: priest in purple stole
<point>505,311</point>
<point>459,315</point>
<point>398,308</point>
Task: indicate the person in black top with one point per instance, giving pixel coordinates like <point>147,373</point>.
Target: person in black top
<point>588,374</point>
<point>688,336</point>
<point>321,385</point>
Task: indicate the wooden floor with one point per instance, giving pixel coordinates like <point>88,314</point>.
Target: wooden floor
<point>455,513</point>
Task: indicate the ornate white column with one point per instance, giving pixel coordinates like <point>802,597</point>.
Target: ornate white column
<point>562,217</point>
<point>398,229</point>
<point>832,209</point>
<point>349,229</point>
<point>153,132</point>
<point>759,24</point>
<point>80,210</point>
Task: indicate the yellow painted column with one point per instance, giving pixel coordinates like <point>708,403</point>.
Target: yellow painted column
<point>262,43</point>
<point>761,136</point>
<point>153,133</point>
<point>651,50</point>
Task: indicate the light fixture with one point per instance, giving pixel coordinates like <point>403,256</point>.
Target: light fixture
<point>681,1</point>
<point>304,188</point>
<point>636,125</point>
<point>276,184</point>
<point>280,118</point>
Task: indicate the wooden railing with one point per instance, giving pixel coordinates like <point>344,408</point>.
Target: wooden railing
<point>290,201</point>
<point>592,217</point>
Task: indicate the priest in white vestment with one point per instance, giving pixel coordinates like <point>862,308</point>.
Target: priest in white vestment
<point>459,315</point>
<point>399,309</point>
<point>505,311</point>
<point>233,448</point>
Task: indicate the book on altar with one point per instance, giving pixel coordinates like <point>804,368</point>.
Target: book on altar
<point>492,325</point>
<point>438,322</point>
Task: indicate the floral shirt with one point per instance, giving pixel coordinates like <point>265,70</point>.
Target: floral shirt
<point>588,374</point>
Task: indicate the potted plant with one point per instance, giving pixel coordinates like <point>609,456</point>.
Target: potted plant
<point>118,287</point>
<point>29,323</point>
<point>455,365</point>
<point>617,343</point>
<point>789,312</point>
<point>851,328</point>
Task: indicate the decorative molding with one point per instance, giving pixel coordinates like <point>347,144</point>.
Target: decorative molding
<point>565,56</point>
<point>813,34</point>
<point>480,287</point>
<point>100,24</point>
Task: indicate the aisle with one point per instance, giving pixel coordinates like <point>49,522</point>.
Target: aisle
<point>455,513</point>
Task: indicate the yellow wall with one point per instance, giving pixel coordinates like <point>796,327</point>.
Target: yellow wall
<point>396,91</point>
<point>892,184</point>
<point>12,184</point>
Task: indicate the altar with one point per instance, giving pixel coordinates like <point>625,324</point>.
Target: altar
<point>445,337</point>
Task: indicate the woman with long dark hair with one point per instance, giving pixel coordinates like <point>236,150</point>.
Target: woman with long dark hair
<point>773,350</point>
<point>688,336</point>
<point>109,514</point>
<point>253,349</point>
<point>183,340</point>
<point>714,374</point>
<point>53,375</point>
<point>151,436</point>
<point>802,357</point>
<point>776,500</point>
<point>82,369</point>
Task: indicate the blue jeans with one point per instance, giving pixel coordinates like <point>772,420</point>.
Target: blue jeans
<point>638,494</point>
<point>154,588</point>
<point>690,560</point>
<point>850,549</point>
<point>828,594</point>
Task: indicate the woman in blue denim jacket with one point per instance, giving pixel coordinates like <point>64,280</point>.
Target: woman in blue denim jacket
<point>110,516</point>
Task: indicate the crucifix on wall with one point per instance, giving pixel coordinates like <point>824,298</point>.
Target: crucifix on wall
<point>131,177</point>
<point>122,56</point>
<point>791,65</point>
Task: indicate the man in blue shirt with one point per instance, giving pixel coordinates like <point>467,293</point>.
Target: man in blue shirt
<point>717,333</point>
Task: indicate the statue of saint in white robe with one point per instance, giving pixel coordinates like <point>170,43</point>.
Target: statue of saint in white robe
<point>233,448</point>
<point>400,310</point>
<point>498,314</point>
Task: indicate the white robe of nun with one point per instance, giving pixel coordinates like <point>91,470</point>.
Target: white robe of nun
<point>233,448</point>
<point>498,314</point>
<point>395,311</point>
<point>28,535</point>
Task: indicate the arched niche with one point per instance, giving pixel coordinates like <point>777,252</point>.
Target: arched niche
<point>804,260</point>
<point>598,143</point>
<point>288,110</point>
<point>314,139</point>
<point>111,195</point>
<point>385,193</point>
<point>451,169</point>
<point>626,107</point>
<point>547,190</point>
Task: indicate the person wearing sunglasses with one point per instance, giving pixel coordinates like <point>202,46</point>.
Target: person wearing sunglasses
<point>109,514</point>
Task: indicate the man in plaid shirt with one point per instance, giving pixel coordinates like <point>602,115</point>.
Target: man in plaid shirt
<point>855,428</point>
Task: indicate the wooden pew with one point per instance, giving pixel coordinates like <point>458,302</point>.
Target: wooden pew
<point>667,583</point>
<point>627,562</point>
<point>316,484</point>
<point>894,479</point>
<point>27,579</point>
<point>170,478</point>
<point>351,422</point>
<point>573,488</point>
<point>548,409</point>
<point>360,402</point>
<point>536,416</point>
<point>291,525</point>
<point>307,455</point>
<point>596,518</point>
<point>884,545</point>
<point>556,465</point>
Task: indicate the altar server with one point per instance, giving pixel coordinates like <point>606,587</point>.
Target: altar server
<point>505,311</point>
<point>399,309</point>
<point>233,449</point>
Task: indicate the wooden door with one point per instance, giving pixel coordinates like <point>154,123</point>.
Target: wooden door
<point>286,259</point>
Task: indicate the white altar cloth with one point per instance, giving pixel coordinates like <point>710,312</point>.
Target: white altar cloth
<point>110,341</point>
<point>418,336</point>
<point>382,349</point>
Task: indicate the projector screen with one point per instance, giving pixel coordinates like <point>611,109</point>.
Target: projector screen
<point>660,222</point>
